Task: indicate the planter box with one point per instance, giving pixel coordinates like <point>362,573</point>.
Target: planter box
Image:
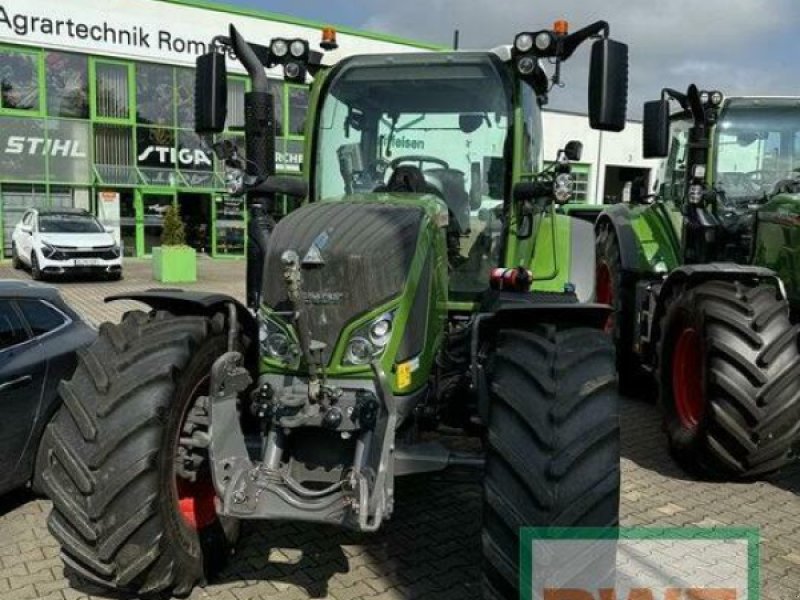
<point>174,264</point>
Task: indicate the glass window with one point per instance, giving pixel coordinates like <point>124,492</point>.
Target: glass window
<point>445,123</point>
<point>22,149</point>
<point>236,90</point>
<point>112,91</point>
<point>19,80</point>
<point>113,154</point>
<point>68,158</point>
<point>67,85</point>
<point>531,130</point>
<point>184,86</point>
<point>41,317</point>
<point>675,165</point>
<point>155,95</point>
<point>276,89</point>
<point>298,109</point>
<point>12,332</point>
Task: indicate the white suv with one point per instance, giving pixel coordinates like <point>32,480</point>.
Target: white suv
<point>60,240</point>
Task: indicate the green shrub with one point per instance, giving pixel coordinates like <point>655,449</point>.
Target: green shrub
<point>174,232</point>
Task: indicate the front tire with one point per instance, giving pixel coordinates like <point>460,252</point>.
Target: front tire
<point>36,272</point>
<point>123,517</point>
<point>553,456</point>
<point>16,263</point>
<point>611,290</point>
<point>729,380</point>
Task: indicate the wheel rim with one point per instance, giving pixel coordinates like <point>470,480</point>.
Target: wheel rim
<point>196,500</point>
<point>604,291</point>
<point>687,378</point>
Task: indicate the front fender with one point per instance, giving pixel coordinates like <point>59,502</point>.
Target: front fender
<point>207,304</point>
<point>648,242</point>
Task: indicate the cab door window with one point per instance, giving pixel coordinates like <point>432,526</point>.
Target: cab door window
<point>675,166</point>
<point>41,317</point>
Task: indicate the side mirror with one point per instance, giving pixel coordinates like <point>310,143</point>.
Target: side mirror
<point>573,150</point>
<point>655,129</point>
<point>210,93</point>
<point>108,229</point>
<point>608,85</point>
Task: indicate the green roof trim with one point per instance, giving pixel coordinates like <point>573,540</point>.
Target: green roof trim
<point>261,14</point>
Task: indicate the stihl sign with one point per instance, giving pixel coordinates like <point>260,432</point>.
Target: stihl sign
<point>19,144</point>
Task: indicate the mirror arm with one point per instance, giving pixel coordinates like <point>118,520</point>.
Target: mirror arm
<point>571,42</point>
<point>250,61</point>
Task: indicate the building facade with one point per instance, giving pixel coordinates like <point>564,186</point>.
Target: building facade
<point>96,111</point>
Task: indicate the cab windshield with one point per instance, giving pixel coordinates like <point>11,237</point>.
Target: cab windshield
<point>758,148</point>
<point>433,124</point>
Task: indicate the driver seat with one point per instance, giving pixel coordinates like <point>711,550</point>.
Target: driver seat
<point>407,179</point>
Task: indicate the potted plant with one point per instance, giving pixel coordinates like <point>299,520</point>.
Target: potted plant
<point>174,261</point>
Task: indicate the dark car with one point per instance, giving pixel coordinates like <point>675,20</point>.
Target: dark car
<point>39,337</point>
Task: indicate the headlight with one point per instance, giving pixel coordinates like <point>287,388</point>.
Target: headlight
<point>49,251</point>
<point>369,342</point>
<point>234,181</point>
<point>298,48</point>
<point>291,70</point>
<point>279,48</point>
<point>526,65</point>
<point>275,341</point>
<point>543,40</point>
<point>524,42</point>
<point>563,188</point>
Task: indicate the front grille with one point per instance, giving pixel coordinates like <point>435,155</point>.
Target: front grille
<point>367,256</point>
<point>68,253</point>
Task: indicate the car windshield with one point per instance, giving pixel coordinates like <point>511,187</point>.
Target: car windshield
<point>435,124</point>
<point>758,148</point>
<point>69,223</point>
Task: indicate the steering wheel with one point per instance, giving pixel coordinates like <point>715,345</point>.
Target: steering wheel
<point>418,158</point>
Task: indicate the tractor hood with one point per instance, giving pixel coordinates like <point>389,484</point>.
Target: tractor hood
<point>358,253</point>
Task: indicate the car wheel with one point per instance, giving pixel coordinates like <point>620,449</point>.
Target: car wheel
<point>16,263</point>
<point>36,272</point>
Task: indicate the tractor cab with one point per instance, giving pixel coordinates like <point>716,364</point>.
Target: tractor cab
<point>432,126</point>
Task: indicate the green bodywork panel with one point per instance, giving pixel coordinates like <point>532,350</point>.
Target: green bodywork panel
<point>777,241</point>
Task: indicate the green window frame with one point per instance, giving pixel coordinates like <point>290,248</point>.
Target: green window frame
<point>94,62</point>
<point>38,56</point>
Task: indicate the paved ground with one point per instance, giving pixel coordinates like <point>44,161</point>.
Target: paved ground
<point>431,548</point>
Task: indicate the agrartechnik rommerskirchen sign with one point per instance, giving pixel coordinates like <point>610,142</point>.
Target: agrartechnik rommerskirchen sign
<point>34,23</point>
<point>151,30</point>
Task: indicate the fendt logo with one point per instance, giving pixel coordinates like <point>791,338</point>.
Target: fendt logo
<point>20,144</point>
<point>184,156</point>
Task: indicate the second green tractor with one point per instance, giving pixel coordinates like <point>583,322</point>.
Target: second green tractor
<point>704,276</point>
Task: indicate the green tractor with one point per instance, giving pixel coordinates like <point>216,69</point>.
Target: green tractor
<point>409,291</point>
<point>698,273</point>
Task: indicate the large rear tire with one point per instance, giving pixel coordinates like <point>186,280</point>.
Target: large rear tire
<point>123,516</point>
<point>729,380</point>
<point>611,290</point>
<point>553,454</point>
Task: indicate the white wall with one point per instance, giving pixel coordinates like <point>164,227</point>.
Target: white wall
<point>600,149</point>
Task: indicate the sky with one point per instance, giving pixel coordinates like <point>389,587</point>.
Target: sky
<point>736,46</point>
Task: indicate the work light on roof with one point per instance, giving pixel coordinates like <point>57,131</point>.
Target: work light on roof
<point>544,39</point>
<point>279,48</point>
<point>298,48</point>
<point>524,42</point>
